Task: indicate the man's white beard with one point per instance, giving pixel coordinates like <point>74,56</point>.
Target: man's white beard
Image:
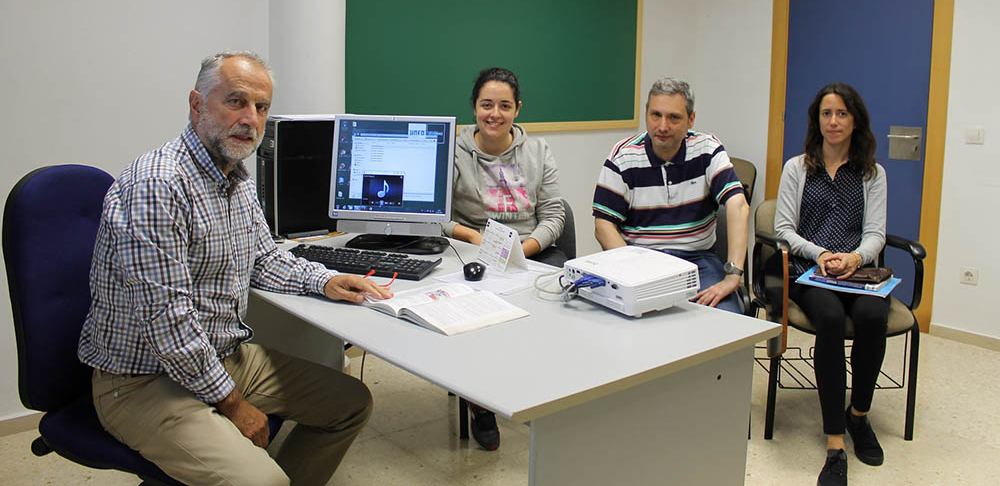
<point>218,143</point>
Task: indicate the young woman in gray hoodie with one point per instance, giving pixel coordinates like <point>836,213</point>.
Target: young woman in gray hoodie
<point>502,174</point>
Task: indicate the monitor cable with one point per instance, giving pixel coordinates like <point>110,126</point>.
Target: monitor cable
<point>456,251</point>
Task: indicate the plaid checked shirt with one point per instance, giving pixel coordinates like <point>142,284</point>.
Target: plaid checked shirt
<point>178,247</point>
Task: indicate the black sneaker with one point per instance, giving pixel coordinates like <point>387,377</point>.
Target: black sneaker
<point>866,446</point>
<point>484,428</point>
<point>834,472</point>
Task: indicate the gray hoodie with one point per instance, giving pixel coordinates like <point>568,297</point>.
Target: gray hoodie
<point>520,188</point>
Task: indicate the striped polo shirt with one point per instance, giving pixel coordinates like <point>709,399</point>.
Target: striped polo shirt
<point>666,204</point>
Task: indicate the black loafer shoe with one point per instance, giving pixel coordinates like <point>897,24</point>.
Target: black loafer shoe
<point>866,445</point>
<point>834,472</point>
<point>484,428</point>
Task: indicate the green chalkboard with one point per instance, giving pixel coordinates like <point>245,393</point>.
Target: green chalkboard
<point>576,59</point>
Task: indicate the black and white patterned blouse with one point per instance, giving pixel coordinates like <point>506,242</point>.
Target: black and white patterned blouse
<point>831,213</point>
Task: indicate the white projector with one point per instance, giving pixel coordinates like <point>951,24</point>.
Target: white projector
<point>636,279</point>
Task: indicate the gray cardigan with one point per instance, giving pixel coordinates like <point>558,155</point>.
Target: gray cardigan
<point>786,216</point>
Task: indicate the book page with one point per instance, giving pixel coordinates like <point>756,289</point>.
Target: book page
<point>417,296</point>
<point>464,312</point>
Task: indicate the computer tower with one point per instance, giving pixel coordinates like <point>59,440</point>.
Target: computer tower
<point>293,174</point>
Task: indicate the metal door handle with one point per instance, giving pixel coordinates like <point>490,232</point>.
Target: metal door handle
<point>908,137</point>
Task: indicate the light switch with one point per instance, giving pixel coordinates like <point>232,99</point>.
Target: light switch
<point>975,136</point>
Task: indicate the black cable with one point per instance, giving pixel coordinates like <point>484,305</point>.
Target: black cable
<point>456,253</point>
<point>412,242</point>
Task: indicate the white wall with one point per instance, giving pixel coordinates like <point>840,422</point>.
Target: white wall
<point>307,56</point>
<point>99,83</point>
<point>969,235</point>
<point>732,77</point>
<point>723,49</point>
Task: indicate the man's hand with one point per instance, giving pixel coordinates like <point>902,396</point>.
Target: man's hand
<point>352,288</point>
<point>251,422</point>
<point>714,294</point>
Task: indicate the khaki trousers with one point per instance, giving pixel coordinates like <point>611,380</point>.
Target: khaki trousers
<point>195,444</point>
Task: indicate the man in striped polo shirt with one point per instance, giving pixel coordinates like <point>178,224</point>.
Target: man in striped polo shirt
<point>662,189</point>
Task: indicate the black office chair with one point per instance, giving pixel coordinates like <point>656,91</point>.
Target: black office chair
<point>747,174</point>
<point>567,240</point>
<point>794,370</point>
<point>49,226</point>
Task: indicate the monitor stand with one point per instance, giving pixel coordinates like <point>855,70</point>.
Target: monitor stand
<point>416,245</point>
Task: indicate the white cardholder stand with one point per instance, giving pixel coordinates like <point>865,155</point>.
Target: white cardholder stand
<point>501,248</point>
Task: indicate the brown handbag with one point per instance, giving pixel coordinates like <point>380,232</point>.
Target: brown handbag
<point>871,275</point>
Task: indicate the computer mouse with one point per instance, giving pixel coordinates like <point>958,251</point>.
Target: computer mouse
<point>474,271</point>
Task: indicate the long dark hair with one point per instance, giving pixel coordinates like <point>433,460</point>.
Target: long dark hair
<point>503,75</point>
<point>861,155</point>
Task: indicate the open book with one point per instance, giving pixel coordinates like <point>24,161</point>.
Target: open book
<point>448,308</point>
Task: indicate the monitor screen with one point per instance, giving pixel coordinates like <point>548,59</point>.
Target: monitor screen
<point>392,175</point>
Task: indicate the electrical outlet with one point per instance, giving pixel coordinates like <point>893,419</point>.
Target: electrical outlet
<point>968,276</point>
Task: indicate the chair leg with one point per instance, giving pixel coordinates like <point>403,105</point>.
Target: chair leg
<point>772,392</point>
<point>463,418</point>
<point>911,391</point>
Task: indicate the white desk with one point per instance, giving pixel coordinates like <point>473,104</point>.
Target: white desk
<point>611,400</point>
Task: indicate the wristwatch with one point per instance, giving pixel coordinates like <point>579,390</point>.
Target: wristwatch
<point>732,269</point>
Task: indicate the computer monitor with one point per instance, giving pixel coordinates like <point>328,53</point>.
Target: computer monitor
<point>391,180</point>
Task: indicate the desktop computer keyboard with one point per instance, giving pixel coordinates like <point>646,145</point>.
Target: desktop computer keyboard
<point>348,260</point>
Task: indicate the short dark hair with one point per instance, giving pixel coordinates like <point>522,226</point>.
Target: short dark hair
<point>503,75</point>
<point>862,152</point>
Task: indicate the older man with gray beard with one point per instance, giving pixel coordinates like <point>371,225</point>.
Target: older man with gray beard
<point>181,240</point>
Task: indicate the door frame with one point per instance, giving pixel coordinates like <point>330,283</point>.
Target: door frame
<point>937,119</point>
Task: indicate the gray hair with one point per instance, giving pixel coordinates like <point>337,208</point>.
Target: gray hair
<point>669,86</point>
<point>208,76</point>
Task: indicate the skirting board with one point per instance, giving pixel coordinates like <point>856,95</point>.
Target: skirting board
<point>19,424</point>
<point>975,339</point>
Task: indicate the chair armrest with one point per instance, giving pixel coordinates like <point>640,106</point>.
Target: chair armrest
<point>914,248</point>
<point>918,253</point>
<point>777,345</point>
<point>772,241</point>
<point>757,273</point>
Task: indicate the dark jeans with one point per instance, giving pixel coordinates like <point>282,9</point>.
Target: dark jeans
<point>828,311</point>
<point>710,272</point>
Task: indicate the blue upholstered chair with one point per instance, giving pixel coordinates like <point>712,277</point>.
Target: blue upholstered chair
<point>49,227</point>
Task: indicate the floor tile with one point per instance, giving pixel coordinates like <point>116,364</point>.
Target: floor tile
<point>412,438</point>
